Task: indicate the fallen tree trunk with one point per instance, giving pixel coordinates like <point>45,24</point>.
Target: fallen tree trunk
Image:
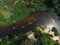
<point>23,26</point>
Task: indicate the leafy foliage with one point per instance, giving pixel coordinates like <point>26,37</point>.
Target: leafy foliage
<point>22,39</point>
<point>20,11</point>
<point>55,30</point>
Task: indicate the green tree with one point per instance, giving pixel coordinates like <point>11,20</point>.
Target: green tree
<point>55,31</point>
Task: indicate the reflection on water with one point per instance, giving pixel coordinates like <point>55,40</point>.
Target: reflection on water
<point>50,19</point>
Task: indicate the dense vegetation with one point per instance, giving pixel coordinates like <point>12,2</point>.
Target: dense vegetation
<point>22,39</point>
<point>11,12</point>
